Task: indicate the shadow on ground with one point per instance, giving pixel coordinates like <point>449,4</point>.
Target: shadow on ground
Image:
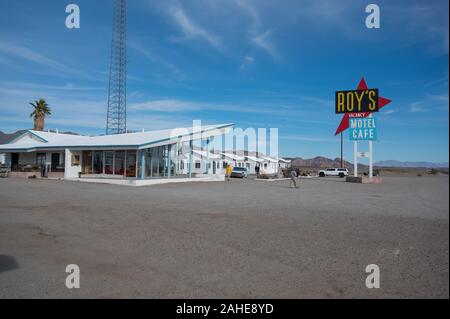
<point>7,263</point>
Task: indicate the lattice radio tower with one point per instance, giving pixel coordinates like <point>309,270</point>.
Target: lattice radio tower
<point>117,91</point>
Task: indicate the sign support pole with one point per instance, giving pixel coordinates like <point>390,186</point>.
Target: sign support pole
<point>370,159</point>
<point>355,158</point>
<point>342,151</point>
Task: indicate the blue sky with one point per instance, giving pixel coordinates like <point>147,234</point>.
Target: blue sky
<point>254,63</point>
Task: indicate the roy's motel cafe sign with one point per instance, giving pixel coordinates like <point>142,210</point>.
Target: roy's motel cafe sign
<point>358,107</point>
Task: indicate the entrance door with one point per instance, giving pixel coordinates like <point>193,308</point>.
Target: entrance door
<point>214,167</point>
<point>55,161</point>
<point>14,161</point>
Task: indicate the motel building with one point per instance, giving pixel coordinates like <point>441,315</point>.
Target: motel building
<point>215,162</point>
<point>142,158</point>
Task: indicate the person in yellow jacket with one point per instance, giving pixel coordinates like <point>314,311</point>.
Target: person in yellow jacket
<point>228,171</point>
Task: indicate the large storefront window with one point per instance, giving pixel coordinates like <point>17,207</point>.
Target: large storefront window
<point>157,159</point>
<point>97,165</point>
<point>109,162</point>
<point>87,162</point>
<point>119,163</point>
<point>123,162</point>
<point>131,163</point>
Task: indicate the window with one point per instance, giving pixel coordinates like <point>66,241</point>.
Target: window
<point>224,164</point>
<point>265,165</point>
<point>75,160</point>
<point>131,163</point>
<point>182,165</point>
<point>197,164</point>
<point>97,162</point>
<point>40,159</point>
<point>119,163</point>
<point>109,162</point>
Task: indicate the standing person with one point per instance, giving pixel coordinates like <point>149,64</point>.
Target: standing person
<point>257,170</point>
<point>293,179</point>
<point>228,171</point>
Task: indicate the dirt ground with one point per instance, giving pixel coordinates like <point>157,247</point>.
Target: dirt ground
<point>238,239</point>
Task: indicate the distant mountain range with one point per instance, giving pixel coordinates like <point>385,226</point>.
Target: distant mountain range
<point>322,162</point>
<point>5,138</point>
<point>393,163</point>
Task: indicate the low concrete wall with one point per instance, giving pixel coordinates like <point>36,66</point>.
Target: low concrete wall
<point>364,180</point>
<point>24,174</point>
<point>353,179</point>
<point>56,175</point>
<point>147,182</point>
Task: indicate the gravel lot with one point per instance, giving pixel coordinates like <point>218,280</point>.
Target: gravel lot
<point>241,239</point>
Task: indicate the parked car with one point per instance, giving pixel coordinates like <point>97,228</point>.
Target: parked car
<point>341,172</point>
<point>240,172</point>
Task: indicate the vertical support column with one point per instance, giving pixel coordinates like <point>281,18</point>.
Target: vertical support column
<point>190,158</point>
<point>370,159</point>
<point>355,158</point>
<point>114,162</point>
<point>142,152</point>
<point>136,164</point>
<point>207,155</point>
<point>103,162</point>
<point>169,159</point>
<point>125,165</point>
<point>67,163</point>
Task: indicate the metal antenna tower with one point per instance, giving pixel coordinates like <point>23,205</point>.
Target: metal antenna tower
<point>117,91</point>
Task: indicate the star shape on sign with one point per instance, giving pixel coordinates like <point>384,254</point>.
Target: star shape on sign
<point>345,120</point>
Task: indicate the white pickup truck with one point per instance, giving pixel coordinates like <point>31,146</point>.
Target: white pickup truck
<point>341,172</point>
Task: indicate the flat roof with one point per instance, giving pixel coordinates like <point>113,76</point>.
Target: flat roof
<point>33,140</point>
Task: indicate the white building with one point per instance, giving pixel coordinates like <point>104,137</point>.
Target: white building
<point>218,162</point>
<point>145,155</point>
<point>142,155</point>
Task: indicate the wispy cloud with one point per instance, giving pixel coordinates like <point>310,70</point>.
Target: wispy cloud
<point>247,61</point>
<point>433,102</point>
<point>168,105</point>
<point>417,107</point>
<point>255,19</point>
<point>308,138</point>
<point>192,30</point>
<point>263,41</point>
<point>150,55</point>
<point>34,57</point>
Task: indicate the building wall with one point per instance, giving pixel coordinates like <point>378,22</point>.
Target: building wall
<point>70,169</point>
<point>184,168</point>
<point>266,166</point>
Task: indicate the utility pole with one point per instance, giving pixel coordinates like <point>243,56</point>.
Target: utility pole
<point>117,91</point>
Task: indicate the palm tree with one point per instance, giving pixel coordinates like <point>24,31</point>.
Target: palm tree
<point>41,110</point>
